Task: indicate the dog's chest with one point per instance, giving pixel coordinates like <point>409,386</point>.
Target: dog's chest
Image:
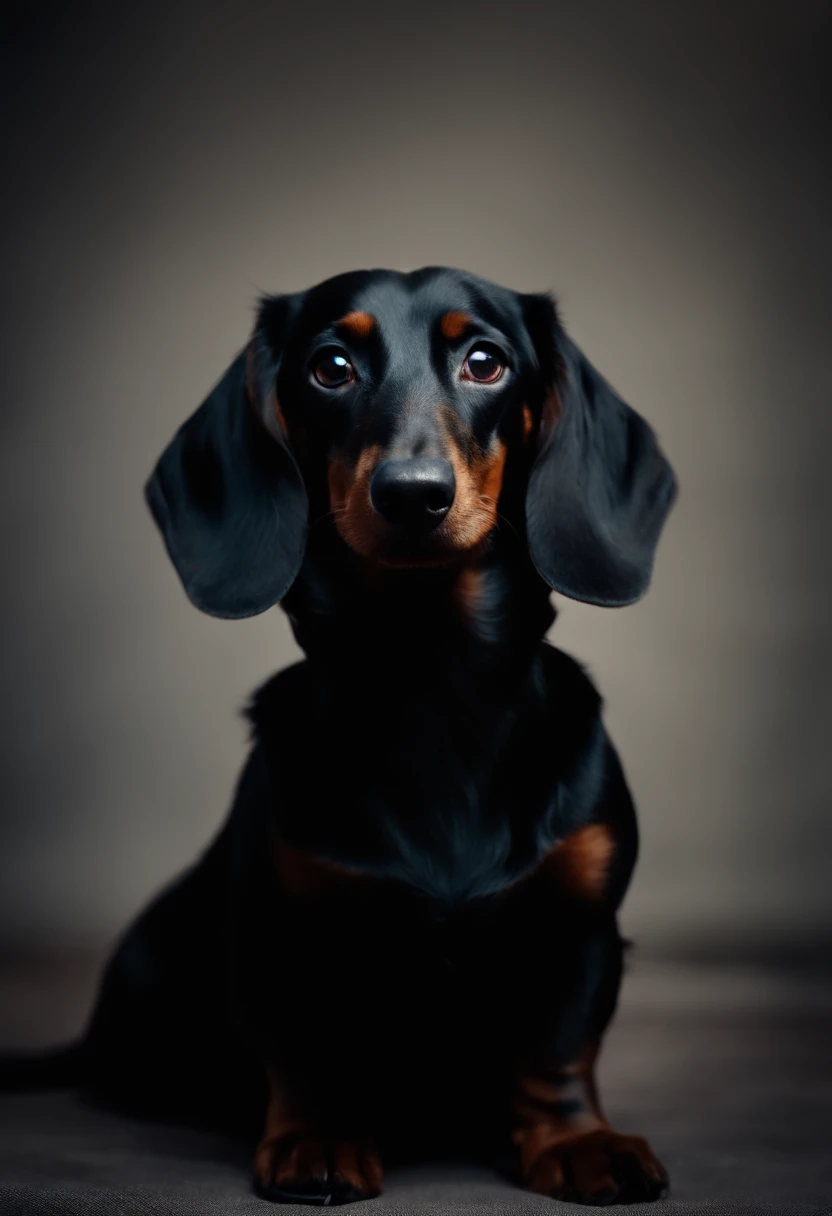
<point>434,844</point>
<point>460,852</point>
<point>435,809</point>
<point>413,779</point>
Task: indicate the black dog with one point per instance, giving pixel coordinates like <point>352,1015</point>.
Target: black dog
<point>404,939</point>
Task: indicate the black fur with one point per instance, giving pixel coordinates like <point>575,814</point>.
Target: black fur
<point>425,760</point>
<point>230,503</point>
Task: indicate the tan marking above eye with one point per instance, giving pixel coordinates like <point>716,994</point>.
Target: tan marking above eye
<point>454,324</point>
<point>361,324</point>
<point>579,864</point>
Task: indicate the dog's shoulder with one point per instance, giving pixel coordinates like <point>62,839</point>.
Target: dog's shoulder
<point>287,695</point>
<point>562,698</point>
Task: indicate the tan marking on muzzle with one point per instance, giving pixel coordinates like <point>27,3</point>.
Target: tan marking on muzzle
<point>478,486</point>
<point>350,503</point>
<point>473,514</point>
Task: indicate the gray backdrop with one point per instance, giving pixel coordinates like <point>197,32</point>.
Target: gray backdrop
<point>663,167</point>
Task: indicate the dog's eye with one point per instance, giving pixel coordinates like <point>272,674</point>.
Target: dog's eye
<point>333,368</point>
<point>485,364</point>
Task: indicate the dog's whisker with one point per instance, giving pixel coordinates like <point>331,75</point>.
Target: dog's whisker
<point>505,520</point>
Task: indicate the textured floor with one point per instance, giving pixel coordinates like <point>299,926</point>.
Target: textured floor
<point>728,1071</point>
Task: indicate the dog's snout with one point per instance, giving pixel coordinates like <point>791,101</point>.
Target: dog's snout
<point>415,494</point>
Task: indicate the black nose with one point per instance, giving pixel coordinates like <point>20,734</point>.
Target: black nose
<point>415,494</point>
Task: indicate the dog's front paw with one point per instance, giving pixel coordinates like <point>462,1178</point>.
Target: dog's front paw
<point>307,1168</point>
<point>598,1167</point>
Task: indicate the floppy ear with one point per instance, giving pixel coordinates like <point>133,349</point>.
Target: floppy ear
<point>229,499</point>
<point>600,489</point>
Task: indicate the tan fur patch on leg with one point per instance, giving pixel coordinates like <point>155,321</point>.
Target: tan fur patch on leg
<point>295,1158</point>
<point>579,865</point>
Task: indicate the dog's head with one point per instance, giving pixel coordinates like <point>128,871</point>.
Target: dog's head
<point>412,411</point>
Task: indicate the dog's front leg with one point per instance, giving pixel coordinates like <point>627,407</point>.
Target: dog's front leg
<point>300,1159</point>
<point>293,916</point>
<point>567,1148</point>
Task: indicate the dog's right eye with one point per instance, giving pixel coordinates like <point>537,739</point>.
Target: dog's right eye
<point>332,369</point>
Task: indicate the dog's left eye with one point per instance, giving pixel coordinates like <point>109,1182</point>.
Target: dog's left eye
<point>485,365</point>
<point>333,368</point>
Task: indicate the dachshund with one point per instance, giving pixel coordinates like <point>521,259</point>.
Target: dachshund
<point>403,942</point>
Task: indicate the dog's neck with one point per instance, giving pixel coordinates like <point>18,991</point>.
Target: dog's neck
<point>488,610</point>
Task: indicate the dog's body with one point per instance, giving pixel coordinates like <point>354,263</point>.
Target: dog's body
<point>404,939</point>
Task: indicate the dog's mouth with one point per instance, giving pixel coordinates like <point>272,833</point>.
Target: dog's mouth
<point>400,550</point>
<point>397,552</point>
